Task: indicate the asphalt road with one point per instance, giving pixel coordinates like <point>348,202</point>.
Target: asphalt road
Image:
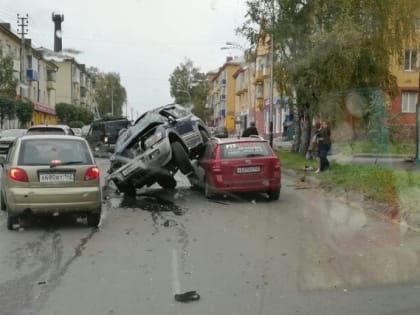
<point>307,253</point>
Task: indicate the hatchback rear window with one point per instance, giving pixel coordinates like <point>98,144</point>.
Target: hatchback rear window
<point>244,149</point>
<point>46,151</point>
<point>48,130</point>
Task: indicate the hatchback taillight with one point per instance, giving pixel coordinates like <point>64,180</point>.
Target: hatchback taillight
<point>92,173</point>
<point>18,174</point>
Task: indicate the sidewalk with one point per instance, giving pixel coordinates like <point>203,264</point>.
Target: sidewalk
<point>396,161</point>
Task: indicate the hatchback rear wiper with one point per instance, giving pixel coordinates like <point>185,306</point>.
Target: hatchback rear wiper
<point>65,163</point>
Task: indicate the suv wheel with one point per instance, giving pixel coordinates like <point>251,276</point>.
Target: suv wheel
<point>181,158</point>
<point>167,182</point>
<point>126,189</point>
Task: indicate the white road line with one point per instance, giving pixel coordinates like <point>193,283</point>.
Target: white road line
<point>176,286</point>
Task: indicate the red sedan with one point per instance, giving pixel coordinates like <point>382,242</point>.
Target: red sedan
<point>238,165</point>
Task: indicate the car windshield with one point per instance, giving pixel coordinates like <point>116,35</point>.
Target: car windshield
<point>59,151</point>
<point>114,127</point>
<point>244,149</point>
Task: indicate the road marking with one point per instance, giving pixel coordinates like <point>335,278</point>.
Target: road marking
<point>176,286</point>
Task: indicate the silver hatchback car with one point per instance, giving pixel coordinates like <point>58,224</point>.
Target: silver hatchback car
<point>46,174</point>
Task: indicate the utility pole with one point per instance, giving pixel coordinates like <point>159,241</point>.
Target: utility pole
<point>22,23</point>
<point>271,76</point>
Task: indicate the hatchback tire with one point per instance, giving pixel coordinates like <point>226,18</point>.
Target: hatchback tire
<point>208,190</point>
<point>274,194</point>
<point>181,158</point>
<point>93,219</point>
<point>12,220</point>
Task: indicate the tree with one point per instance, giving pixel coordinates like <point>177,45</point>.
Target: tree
<point>110,94</point>
<point>24,112</point>
<point>73,115</point>
<point>8,82</point>
<point>7,109</point>
<point>333,48</point>
<point>189,87</point>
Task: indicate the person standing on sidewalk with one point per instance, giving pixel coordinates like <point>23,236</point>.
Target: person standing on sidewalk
<point>251,130</point>
<point>324,145</point>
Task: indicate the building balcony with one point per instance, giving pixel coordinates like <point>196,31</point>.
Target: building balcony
<point>32,75</point>
<point>266,72</point>
<point>259,76</point>
<point>16,65</point>
<point>51,85</point>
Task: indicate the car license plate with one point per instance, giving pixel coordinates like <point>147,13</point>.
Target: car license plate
<point>56,178</point>
<point>129,170</point>
<point>248,169</point>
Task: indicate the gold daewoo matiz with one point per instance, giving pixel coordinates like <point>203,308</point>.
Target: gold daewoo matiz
<point>50,174</point>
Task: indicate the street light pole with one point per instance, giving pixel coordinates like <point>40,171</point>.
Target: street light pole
<point>271,76</point>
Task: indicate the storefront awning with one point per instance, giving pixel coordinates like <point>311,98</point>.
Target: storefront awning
<point>43,108</point>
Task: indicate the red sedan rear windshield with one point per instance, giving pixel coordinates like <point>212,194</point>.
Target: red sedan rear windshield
<point>244,149</point>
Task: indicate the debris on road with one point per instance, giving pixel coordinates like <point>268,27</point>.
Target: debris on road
<point>187,297</point>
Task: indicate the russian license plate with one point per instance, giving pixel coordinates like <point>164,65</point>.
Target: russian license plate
<point>248,169</point>
<point>129,170</point>
<point>56,177</point>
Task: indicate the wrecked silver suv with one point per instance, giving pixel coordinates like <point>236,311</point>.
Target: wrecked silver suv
<point>161,142</point>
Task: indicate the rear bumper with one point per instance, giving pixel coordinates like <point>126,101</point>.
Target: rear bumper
<point>258,185</point>
<point>50,200</point>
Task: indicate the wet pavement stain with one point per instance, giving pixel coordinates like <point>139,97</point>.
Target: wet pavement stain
<point>152,203</point>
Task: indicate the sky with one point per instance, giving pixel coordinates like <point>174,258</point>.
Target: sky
<point>142,40</point>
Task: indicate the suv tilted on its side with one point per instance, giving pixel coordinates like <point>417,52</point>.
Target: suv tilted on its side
<point>161,142</point>
<point>103,135</point>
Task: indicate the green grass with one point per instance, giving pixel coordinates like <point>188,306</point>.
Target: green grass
<point>375,182</point>
<point>356,147</point>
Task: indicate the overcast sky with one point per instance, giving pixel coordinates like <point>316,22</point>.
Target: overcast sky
<point>142,40</point>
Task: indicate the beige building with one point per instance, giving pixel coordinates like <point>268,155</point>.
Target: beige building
<point>74,84</point>
<point>36,79</point>
<point>245,96</point>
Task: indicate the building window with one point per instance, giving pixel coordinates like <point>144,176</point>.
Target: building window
<point>410,59</point>
<point>408,102</point>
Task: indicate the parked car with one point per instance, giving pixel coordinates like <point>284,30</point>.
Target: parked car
<point>237,165</point>
<point>103,135</point>
<point>161,142</point>
<point>220,132</point>
<point>46,174</point>
<point>7,137</point>
<point>50,129</point>
<point>77,131</point>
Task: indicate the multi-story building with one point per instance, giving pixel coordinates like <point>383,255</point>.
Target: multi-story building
<point>262,92</point>
<point>74,84</point>
<point>245,96</point>
<point>222,94</point>
<point>36,79</point>
<point>212,99</point>
<point>402,112</point>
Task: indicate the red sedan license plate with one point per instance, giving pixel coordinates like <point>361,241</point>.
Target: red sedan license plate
<point>248,169</point>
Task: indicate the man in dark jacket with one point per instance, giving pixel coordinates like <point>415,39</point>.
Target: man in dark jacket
<point>251,130</point>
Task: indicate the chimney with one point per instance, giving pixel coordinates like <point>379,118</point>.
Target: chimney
<point>6,26</point>
<point>57,19</point>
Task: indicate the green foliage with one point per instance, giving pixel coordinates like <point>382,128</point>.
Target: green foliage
<point>76,124</point>
<point>67,113</point>
<point>8,82</point>
<point>110,94</point>
<point>24,112</point>
<point>357,147</point>
<point>189,87</point>
<point>7,109</point>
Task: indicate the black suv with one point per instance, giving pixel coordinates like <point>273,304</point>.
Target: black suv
<point>161,142</point>
<point>103,135</point>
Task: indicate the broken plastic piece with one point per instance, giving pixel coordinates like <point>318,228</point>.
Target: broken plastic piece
<point>187,297</point>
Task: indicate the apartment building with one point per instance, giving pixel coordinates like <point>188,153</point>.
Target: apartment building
<point>36,79</point>
<point>245,96</point>
<point>222,94</point>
